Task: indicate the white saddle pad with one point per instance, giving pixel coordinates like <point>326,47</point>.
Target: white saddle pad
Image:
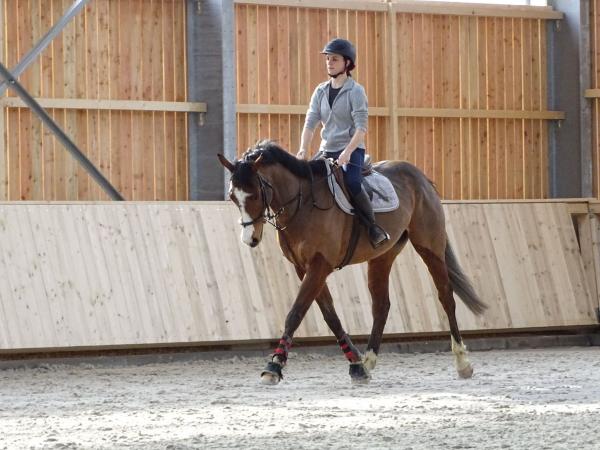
<point>384,197</point>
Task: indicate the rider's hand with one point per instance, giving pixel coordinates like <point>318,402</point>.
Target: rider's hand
<point>344,157</point>
<point>301,154</point>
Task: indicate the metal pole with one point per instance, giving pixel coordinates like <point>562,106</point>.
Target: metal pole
<point>39,48</point>
<point>70,146</point>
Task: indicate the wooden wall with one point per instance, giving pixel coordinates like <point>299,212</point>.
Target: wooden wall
<point>460,92</point>
<point>125,50</point>
<point>105,274</point>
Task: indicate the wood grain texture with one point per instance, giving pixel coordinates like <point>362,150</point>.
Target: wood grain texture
<point>462,95</point>
<point>106,274</point>
<point>127,55</point>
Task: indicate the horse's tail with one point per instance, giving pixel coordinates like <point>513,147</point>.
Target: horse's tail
<point>461,284</point>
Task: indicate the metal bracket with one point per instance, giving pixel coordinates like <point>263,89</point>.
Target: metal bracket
<point>557,24</point>
<point>201,119</point>
<point>198,7</point>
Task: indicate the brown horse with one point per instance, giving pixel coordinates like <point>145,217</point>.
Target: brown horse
<point>270,184</point>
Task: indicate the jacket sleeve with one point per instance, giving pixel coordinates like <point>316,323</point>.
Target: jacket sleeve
<point>360,108</point>
<point>313,114</point>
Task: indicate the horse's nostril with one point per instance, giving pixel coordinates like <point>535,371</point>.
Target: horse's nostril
<point>254,242</point>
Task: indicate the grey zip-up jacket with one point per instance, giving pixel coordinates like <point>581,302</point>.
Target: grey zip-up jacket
<point>348,113</point>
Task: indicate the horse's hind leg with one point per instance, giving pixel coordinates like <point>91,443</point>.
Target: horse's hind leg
<point>379,278</point>
<point>436,263</point>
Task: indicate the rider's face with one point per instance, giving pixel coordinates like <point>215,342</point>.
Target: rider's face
<point>335,63</point>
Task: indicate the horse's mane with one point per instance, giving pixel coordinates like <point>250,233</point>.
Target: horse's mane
<point>271,154</point>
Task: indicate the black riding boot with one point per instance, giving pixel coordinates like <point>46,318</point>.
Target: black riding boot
<point>377,235</point>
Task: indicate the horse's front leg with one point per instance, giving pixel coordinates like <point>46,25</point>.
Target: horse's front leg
<point>358,374</point>
<point>312,283</point>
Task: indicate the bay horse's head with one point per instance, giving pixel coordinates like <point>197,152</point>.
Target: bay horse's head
<point>247,189</point>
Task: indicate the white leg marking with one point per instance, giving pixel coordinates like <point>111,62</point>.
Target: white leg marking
<point>461,359</point>
<point>246,235</point>
<point>370,360</point>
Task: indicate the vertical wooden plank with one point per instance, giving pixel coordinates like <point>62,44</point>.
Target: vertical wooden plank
<point>405,74</point>
<point>78,124</point>
<point>536,90</point>
<point>484,124</point>
<point>452,165</point>
<point>282,77</point>
<point>253,79</point>
<point>393,85</point>
<point>100,126</point>
<point>182,157</point>
<point>438,85</point>
<point>464,55</point>
<point>262,55</point>
<point>138,78</point>
<point>295,40</point>
<point>424,95</point>
<point>89,119</point>
<point>71,89</point>
<point>527,67</point>
<point>493,68</point>
<point>113,87</point>
<point>153,167</point>
<point>500,144</point>
<point>36,182</point>
<point>510,78</point>
<point>12,114</point>
<point>544,148</point>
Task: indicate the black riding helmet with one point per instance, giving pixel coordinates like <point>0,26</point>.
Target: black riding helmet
<point>341,47</point>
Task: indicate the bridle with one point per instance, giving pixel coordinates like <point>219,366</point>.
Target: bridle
<point>267,213</point>
<point>270,216</point>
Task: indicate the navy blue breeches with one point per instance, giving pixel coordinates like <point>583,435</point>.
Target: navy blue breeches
<point>353,172</point>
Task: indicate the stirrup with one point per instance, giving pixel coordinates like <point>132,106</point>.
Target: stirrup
<point>377,235</point>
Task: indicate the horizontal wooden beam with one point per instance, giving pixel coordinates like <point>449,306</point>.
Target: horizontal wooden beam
<point>331,4</point>
<point>476,9</point>
<point>420,7</point>
<point>117,105</point>
<point>293,109</point>
<point>595,207</point>
<point>592,93</point>
<point>456,113</point>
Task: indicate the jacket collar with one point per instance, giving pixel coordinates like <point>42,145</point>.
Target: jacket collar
<point>348,84</point>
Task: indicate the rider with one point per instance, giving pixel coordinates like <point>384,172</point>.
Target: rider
<point>340,104</point>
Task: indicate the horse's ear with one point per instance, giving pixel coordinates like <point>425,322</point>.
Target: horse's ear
<point>257,163</point>
<point>226,163</point>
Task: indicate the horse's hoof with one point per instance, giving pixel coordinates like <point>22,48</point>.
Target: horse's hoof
<point>272,374</point>
<point>358,373</point>
<point>370,360</point>
<point>269,379</point>
<point>465,372</point>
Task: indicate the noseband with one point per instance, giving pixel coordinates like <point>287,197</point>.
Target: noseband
<point>267,213</point>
